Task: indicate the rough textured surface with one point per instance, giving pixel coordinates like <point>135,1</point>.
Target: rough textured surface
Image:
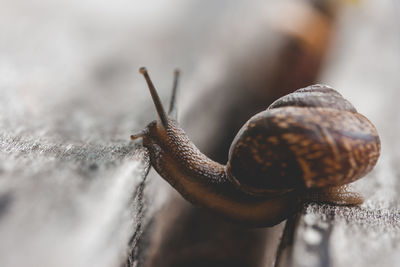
<point>71,184</point>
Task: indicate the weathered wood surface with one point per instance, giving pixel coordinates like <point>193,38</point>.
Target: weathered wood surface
<point>71,191</point>
<point>71,184</point>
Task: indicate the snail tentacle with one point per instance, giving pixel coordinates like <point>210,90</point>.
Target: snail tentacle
<point>162,116</point>
<point>173,105</point>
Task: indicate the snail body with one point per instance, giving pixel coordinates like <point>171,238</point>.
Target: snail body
<point>312,140</point>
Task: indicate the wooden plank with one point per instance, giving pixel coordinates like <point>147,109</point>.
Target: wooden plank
<point>366,72</point>
<point>71,185</point>
<point>71,182</point>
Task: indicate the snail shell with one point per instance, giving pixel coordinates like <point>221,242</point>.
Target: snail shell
<point>311,138</point>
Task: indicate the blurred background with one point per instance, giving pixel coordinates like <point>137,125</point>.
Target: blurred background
<point>86,54</point>
<point>70,96</point>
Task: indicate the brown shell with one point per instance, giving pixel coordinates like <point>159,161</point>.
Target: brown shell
<point>288,147</point>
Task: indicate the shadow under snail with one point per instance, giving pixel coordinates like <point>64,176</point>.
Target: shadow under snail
<point>305,146</point>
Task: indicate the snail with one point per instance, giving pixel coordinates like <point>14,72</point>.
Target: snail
<point>306,145</point>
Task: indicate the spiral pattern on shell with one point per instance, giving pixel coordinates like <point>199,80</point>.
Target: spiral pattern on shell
<point>310,138</point>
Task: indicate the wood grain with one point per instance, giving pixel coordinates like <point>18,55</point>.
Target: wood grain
<point>72,188</point>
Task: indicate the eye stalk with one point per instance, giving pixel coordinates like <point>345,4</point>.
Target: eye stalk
<point>139,134</point>
<point>173,110</point>
<point>162,116</point>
